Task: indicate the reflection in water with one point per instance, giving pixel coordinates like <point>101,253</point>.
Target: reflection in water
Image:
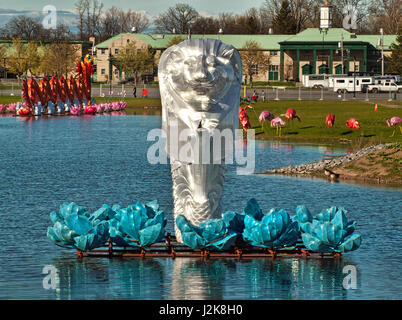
<point>295,279</point>
<point>195,279</point>
<point>100,279</point>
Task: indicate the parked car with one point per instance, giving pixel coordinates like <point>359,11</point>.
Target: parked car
<point>384,87</point>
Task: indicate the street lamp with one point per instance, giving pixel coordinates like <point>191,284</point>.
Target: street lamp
<point>382,51</point>
<point>340,46</point>
<point>219,33</point>
<point>5,70</point>
<point>110,71</point>
<point>354,76</point>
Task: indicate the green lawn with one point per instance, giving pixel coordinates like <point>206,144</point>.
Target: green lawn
<point>312,128</point>
<point>9,99</point>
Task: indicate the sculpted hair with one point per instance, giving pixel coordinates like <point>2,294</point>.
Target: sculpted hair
<point>215,48</point>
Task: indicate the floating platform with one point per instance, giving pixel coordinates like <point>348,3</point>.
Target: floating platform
<point>172,249</point>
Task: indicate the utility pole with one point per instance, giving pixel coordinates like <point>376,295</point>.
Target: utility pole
<point>343,67</point>
<point>382,51</point>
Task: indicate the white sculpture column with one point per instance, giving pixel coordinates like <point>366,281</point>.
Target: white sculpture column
<point>200,81</point>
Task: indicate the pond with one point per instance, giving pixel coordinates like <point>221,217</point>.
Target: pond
<point>99,160</point>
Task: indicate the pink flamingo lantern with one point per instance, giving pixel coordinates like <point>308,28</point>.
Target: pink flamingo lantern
<point>393,122</point>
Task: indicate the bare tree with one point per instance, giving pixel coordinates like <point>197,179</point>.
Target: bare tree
<point>135,19</point>
<point>23,27</point>
<point>253,59</point>
<point>179,18</point>
<point>81,7</point>
<point>117,21</point>
<point>205,25</point>
<point>61,33</point>
<point>387,15</point>
<point>89,18</point>
<point>233,24</point>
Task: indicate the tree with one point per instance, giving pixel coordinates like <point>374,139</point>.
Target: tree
<point>116,21</point>
<point>253,59</point>
<point>61,33</point>
<point>3,52</point>
<point>395,62</point>
<point>25,57</point>
<point>133,61</point>
<point>89,14</point>
<point>175,40</point>
<point>23,27</point>
<point>284,22</point>
<point>388,16</point>
<point>81,7</point>
<point>59,58</point>
<point>177,19</point>
<point>205,25</point>
<point>302,12</point>
<point>3,55</point>
<point>135,19</point>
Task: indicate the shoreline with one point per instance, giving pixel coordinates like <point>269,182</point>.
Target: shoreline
<point>363,166</point>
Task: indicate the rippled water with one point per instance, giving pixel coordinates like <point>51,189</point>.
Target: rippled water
<point>102,159</point>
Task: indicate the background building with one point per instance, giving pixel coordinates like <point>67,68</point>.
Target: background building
<point>322,50</point>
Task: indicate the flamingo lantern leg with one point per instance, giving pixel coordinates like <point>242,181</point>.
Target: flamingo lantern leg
<point>394,122</point>
<point>395,131</point>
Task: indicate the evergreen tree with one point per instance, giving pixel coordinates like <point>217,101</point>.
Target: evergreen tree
<point>395,62</point>
<point>284,22</point>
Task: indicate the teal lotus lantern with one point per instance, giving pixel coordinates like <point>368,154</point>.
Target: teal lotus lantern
<point>138,225</point>
<point>329,231</point>
<point>273,230</point>
<point>211,234</point>
<point>75,228</point>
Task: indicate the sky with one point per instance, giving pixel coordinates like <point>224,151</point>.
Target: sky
<point>152,7</point>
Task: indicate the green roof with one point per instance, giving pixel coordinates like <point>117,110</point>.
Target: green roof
<point>334,35</point>
<point>160,41</point>
<point>314,35</point>
<point>266,42</point>
<point>108,42</point>
<point>373,40</point>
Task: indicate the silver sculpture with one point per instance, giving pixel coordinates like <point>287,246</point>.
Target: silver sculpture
<point>200,81</point>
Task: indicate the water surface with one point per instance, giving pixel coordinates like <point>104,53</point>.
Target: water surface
<point>99,160</point>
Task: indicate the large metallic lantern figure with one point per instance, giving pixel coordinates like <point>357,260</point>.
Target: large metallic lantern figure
<point>200,81</point>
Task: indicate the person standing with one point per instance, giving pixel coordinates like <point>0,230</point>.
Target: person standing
<point>135,92</point>
<point>263,96</point>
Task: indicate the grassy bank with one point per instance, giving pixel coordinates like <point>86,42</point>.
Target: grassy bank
<point>382,166</point>
<point>312,128</point>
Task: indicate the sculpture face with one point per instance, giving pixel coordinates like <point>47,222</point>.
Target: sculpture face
<point>201,72</point>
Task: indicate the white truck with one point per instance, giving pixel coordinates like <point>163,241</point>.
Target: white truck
<point>384,87</point>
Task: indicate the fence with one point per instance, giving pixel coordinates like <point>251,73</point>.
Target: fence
<point>267,93</point>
